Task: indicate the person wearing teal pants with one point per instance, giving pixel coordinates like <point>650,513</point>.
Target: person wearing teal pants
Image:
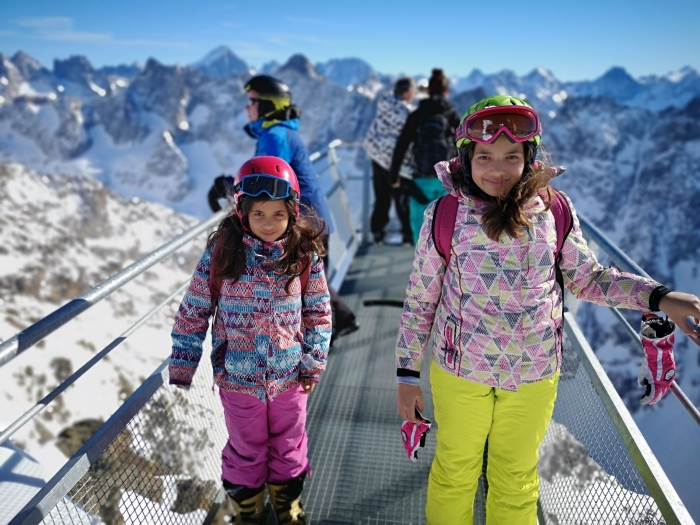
<point>432,188</point>
<point>431,130</point>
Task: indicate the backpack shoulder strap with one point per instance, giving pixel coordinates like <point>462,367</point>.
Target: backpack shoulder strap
<point>444,218</point>
<point>304,275</point>
<point>563,220</point>
<point>214,279</point>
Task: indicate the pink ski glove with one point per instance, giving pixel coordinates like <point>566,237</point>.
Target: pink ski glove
<point>658,370</point>
<point>413,435</point>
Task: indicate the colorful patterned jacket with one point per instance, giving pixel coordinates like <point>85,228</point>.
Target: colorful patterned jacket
<point>263,339</point>
<point>496,312</point>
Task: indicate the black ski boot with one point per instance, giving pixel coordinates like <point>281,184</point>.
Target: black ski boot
<point>247,503</point>
<point>286,499</point>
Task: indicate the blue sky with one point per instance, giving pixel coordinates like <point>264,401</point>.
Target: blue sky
<point>575,40</point>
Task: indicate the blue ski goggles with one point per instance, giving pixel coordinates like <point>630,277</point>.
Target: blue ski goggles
<point>255,185</point>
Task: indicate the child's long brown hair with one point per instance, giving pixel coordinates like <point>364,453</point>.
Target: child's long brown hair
<point>505,213</point>
<point>304,236</point>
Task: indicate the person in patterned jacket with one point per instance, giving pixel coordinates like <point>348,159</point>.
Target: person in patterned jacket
<point>392,111</point>
<point>270,335</point>
<point>496,316</point>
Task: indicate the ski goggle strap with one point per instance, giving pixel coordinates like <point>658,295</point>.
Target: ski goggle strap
<point>520,123</point>
<point>255,185</point>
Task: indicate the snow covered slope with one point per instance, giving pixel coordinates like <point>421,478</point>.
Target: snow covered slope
<point>60,235</point>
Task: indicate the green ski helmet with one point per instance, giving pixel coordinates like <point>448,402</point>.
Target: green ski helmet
<point>522,112</point>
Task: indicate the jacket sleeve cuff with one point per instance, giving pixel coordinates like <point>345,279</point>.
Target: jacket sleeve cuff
<point>179,382</point>
<point>407,377</point>
<point>656,295</point>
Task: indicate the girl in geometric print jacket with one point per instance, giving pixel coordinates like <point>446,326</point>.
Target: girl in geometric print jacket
<point>270,335</point>
<point>495,313</point>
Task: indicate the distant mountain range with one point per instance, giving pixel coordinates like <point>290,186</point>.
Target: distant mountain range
<point>161,133</point>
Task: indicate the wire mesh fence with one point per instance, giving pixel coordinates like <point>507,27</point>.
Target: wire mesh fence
<point>164,466</point>
<point>586,472</point>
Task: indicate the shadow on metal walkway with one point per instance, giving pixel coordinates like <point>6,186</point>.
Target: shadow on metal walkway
<point>361,472</point>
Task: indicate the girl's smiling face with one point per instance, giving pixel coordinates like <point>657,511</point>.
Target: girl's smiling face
<point>498,166</point>
<point>268,220</point>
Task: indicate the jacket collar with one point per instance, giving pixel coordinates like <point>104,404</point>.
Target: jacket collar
<point>273,249</point>
<point>257,127</point>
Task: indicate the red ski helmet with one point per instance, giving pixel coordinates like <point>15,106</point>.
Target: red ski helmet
<point>269,175</point>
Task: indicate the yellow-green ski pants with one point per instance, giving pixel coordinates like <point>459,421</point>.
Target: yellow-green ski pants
<point>468,413</point>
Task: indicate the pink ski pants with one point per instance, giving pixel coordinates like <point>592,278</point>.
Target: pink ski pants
<point>266,440</point>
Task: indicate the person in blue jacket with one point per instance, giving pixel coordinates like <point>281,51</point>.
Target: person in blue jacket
<point>274,122</point>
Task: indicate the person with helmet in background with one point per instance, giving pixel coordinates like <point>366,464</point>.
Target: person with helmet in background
<point>274,122</point>
<point>431,130</point>
<point>495,311</point>
<point>262,279</point>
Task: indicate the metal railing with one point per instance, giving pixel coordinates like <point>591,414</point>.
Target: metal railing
<point>595,465</point>
<point>135,452</point>
<point>625,263</point>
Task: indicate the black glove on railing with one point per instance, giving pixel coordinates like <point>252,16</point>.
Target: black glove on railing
<point>217,191</point>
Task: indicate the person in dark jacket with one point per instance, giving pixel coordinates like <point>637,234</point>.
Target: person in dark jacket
<point>431,130</point>
<point>274,122</point>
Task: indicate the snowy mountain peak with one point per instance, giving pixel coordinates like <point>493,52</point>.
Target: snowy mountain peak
<point>682,74</point>
<point>540,74</point>
<point>220,63</point>
<point>300,64</point>
<point>346,71</point>
<point>76,68</point>
<point>27,65</point>
<point>617,74</point>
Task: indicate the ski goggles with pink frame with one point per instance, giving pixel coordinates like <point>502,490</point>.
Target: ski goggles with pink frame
<point>520,123</point>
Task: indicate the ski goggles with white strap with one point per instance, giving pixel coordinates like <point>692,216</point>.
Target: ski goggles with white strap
<point>520,123</point>
<point>255,185</point>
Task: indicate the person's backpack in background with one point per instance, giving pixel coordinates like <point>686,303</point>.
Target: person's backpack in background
<point>431,145</point>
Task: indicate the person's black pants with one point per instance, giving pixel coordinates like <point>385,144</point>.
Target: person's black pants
<point>383,195</point>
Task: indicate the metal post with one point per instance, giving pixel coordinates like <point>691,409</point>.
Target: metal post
<point>366,183</point>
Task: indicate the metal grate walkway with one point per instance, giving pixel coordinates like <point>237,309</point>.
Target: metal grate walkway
<point>361,473</point>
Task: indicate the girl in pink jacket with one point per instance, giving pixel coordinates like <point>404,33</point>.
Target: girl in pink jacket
<point>495,313</point>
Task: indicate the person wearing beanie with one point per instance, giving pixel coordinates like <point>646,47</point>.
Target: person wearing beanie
<point>431,130</point>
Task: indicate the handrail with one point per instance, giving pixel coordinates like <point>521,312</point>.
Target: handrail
<point>52,322</point>
<point>36,332</point>
<point>625,263</point>
<point>59,485</point>
<point>43,403</point>
<point>661,489</point>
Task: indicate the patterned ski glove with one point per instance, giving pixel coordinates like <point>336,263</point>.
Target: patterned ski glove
<point>413,435</point>
<point>658,369</point>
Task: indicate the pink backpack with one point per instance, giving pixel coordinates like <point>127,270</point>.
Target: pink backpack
<point>445,215</point>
